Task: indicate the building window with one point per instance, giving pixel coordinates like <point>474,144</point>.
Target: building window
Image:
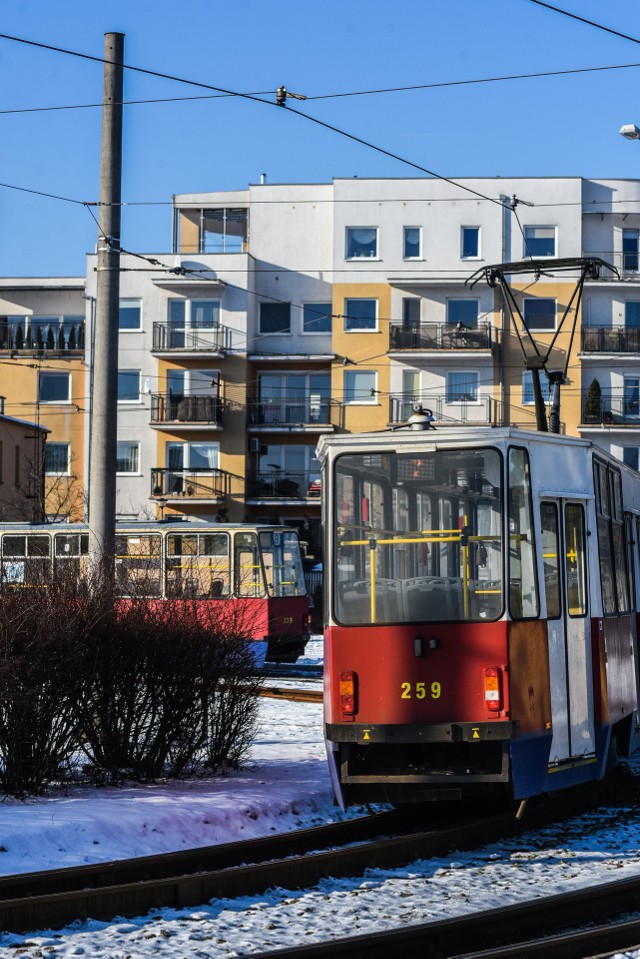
<point>130,315</point>
<point>412,244</point>
<point>411,311</point>
<point>54,387</point>
<point>224,231</point>
<point>193,456</point>
<point>539,313</point>
<point>539,241</point>
<point>127,457</point>
<point>470,242</point>
<point>632,315</point>
<point>630,456</point>
<point>360,315</point>
<point>275,318</point>
<point>630,250</point>
<point>463,313</point>
<point>359,386</point>
<point>56,459</point>
<point>316,318</point>
<point>128,386</point>
<point>462,386</point>
<point>294,397</point>
<point>527,388</point>
<point>362,242</point>
<point>632,396</point>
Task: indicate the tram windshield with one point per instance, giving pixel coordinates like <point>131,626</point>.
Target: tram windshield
<point>282,563</point>
<point>418,537</point>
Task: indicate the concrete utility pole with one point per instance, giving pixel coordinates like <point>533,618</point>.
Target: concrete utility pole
<point>104,357</point>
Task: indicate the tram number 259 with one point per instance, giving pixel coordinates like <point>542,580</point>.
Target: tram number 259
<point>420,691</point>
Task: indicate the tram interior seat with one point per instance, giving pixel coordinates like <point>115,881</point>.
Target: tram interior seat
<point>355,601</point>
<point>432,597</point>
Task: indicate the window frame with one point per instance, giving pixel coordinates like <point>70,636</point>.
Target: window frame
<point>461,399</point>
<point>315,307</point>
<point>138,398</point>
<point>526,241</point>
<point>130,299</point>
<point>134,444</point>
<point>470,256</point>
<point>347,319</point>
<point>54,376</point>
<point>265,304</point>
<point>411,256</point>
<point>540,299</point>
<point>56,472</point>
<point>372,256</point>
<point>371,400</point>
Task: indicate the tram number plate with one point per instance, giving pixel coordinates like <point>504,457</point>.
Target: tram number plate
<point>420,690</point>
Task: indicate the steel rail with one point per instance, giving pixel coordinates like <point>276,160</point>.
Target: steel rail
<point>503,932</point>
<point>131,888</point>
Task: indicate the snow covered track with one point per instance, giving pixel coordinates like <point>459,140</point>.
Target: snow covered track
<point>503,933</point>
<point>130,888</point>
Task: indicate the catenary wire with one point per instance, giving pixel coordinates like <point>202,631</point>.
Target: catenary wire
<point>585,20</point>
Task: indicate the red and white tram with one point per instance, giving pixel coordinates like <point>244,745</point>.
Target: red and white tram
<point>254,570</point>
<point>482,591</point>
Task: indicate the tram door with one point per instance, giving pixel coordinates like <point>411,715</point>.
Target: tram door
<point>565,579</point>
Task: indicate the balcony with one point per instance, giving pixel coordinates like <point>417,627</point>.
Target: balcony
<point>300,486</point>
<point>184,410</point>
<point>610,339</point>
<point>611,410</point>
<point>168,338</point>
<point>440,336</point>
<point>626,263</point>
<point>26,336</point>
<point>209,485</point>
<point>304,414</point>
<point>446,412</point>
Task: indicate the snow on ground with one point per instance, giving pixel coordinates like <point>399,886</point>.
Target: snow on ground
<point>284,786</point>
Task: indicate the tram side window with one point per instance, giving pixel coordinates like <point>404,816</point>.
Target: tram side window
<point>248,567</point>
<point>138,565</point>
<point>550,547</point>
<point>71,555</point>
<point>523,585</point>
<point>605,541</point>
<point>197,565</point>
<point>26,560</point>
<point>282,563</point>
<point>617,531</point>
<point>575,560</point>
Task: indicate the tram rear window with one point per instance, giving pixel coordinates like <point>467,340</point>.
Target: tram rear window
<point>282,561</point>
<point>418,537</point>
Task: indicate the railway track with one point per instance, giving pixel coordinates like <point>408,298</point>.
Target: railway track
<point>296,860</point>
<point>544,928</point>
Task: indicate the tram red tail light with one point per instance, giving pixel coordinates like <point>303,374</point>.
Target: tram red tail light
<point>306,623</point>
<point>348,687</point>
<point>493,699</point>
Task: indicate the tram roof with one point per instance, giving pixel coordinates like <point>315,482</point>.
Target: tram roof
<point>143,526</point>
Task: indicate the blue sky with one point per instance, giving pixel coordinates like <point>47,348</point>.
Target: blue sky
<point>535,127</point>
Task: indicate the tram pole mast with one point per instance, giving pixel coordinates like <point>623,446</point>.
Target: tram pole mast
<point>104,399</point>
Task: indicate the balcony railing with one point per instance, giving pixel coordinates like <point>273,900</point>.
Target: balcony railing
<point>309,411</point>
<point>53,337</point>
<point>440,336</point>
<point>625,262</point>
<point>446,410</point>
<point>194,483</point>
<point>611,410</point>
<point>168,338</point>
<point>183,408</point>
<point>610,339</point>
<point>279,484</point>
<point>486,411</point>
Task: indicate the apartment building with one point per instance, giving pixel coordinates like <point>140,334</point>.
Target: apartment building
<point>284,311</point>
<point>44,380</point>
